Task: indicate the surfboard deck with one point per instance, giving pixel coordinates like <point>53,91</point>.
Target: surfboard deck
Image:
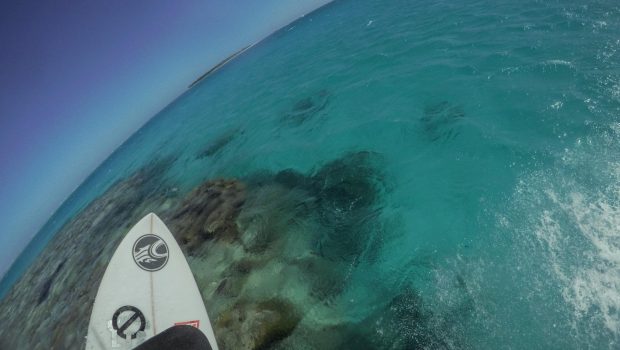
<point>147,288</point>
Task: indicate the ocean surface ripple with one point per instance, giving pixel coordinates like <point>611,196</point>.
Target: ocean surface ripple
<point>394,175</point>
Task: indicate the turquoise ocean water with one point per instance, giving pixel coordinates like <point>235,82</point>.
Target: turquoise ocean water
<point>498,129</point>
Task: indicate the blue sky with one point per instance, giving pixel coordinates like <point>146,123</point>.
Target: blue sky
<point>77,78</point>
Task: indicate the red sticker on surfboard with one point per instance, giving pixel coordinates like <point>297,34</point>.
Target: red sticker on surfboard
<point>195,323</point>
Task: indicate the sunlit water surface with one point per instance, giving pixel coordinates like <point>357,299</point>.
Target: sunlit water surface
<point>496,129</point>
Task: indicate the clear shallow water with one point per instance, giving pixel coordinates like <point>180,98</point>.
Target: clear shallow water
<point>497,126</point>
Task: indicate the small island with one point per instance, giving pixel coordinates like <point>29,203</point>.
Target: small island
<point>219,65</point>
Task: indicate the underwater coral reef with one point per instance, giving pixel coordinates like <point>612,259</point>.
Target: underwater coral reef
<point>271,254</point>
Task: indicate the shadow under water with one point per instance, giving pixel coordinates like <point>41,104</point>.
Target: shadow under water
<point>306,108</point>
<point>218,144</point>
<point>439,121</point>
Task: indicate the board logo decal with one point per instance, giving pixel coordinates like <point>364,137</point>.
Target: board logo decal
<point>128,316</point>
<point>194,323</point>
<point>150,252</point>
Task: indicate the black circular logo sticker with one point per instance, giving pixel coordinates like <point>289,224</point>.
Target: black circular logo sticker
<point>150,252</point>
<point>128,321</point>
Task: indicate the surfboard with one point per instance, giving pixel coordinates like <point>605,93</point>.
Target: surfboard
<point>147,288</point>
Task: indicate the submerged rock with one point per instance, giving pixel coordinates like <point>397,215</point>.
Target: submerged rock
<point>242,267</point>
<point>235,277</point>
<point>326,279</point>
<point>272,212</point>
<point>250,325</point>
<point>209,211</point>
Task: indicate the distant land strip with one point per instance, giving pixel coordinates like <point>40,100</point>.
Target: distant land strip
<point>219,65</point>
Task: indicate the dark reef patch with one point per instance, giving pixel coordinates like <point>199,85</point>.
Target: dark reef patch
<point>209,211</point>
<point>347,191</point>
<point>326,279</point>
<point>306,108</point>
<point>403,323</point>
<point>342,195</point>
<point>293,179</point>
<point>218,144</point>
<point>257,326</point>
<point>439,121</point>
<point>45,289</point>
<point>271,212</point>
<point>242,267</point>
<point>349,183</point>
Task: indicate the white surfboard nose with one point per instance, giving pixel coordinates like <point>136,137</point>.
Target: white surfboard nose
<point>154,218</point>
<point>147,288</point>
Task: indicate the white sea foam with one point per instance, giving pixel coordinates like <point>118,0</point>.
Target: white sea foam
<point>559,63</point>
<point>599,24</point>
<point>615,91</point>
<point>592,286</point>
<point>578,229</point>
<point>557,105</point>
